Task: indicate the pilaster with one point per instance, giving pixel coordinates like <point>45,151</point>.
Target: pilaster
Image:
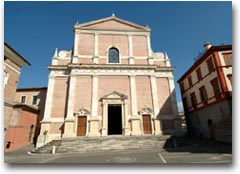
<point>76,40</point>
<point>154,95</point>
<point>96,56</point>
<point>94,106</point>
<point>134,108</point>
<point>75,51</point>
<point>69,121</point>
<point>150,58</point>
<point>173,95</point>
<point>130,50</point>
<point>49,99</point>
<point>104,121</point>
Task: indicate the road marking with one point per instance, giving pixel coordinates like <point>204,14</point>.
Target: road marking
<point>164,161</point>
<point>211,162</point>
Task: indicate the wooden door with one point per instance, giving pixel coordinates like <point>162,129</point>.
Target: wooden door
<point>82,125</point>
<point>147,129</point>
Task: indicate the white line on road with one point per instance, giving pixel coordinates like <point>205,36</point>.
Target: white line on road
<point>201,162</point>
<point>164,161</point>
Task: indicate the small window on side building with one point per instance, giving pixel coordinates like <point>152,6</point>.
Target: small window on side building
<point>203,94</point>
<point>23,99</point>
<point>210,65</point>
<point>199,74</point>
<point>190,81</point>
<point>227,59</point>
<point>216,89</point>
<point>34,101</point>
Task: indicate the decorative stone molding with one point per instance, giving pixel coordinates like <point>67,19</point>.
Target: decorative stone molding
<point>95,59</point>
<point>82,112</point>
<point>114,95</point>
<point>118,98</point>
<point>145,110</point>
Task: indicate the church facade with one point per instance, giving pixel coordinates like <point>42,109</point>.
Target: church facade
<point>110,83</point>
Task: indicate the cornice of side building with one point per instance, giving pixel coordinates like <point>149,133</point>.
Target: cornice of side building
<point>14,56</point>
<point>31,89</point>
<point>203,57</point>
<point>15,104</point>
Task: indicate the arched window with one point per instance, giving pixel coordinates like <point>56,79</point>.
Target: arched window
<point>113,55</point>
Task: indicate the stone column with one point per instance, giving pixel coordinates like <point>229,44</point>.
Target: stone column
<point>95,56</point>
<point>94,96</point>
<point>104,119</point>
<point>70,120</point>
<point>75,51</point>
<point>130,49</point>
<point>133,95</point>
<point>154,95</point>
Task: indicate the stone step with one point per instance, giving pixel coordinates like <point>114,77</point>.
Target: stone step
<point>86,144</point>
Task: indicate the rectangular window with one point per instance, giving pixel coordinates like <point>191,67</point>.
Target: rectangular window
<point>210,65</point>
<point>216,89</point>
<point>182,87</point>
<point>203,95</point>
<point>185,104</point>
<point>190,81</point>
<point>193,100</point>
<point>34,100</point>
<point>227,59</point>
<point>199,74</point>
<point>23,99</point>
<point>230,77</point>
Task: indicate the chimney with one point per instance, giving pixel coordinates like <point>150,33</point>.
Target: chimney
<point>207,45</point>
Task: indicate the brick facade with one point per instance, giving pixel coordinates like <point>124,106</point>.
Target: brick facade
<point>139,83</point>
<point>207,101</point>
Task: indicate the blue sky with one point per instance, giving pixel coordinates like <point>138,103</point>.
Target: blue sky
<point>35,29</point>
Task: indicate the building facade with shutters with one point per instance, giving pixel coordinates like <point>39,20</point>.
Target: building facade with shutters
<point>110,83</point>
<point>34,97</point>
<point>19,119</point>
<point>206,89</point>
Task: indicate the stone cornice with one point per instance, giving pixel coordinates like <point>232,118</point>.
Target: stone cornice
<point>111,66</point>
<point>87,24</point>
<point>110,69</point>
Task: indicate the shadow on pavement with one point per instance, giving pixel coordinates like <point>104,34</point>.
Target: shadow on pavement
<point>194,145</point>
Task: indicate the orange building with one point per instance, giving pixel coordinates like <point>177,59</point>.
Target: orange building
<point>206,89</point>
<point>34,97</point>
<point>18,119</point>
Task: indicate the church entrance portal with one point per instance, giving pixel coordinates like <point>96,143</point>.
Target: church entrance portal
<point>114,119</point>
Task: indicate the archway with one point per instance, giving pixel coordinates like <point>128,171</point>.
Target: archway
<point>211,129</point>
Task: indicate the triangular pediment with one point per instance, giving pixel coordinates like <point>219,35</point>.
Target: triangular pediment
<point>114,95</point>
<point>111,23</point>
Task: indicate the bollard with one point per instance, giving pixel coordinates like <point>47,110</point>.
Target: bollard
<point>53,149</point>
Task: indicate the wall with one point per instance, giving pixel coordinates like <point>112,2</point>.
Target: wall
<point>18,133</point>
<point>219,113</point>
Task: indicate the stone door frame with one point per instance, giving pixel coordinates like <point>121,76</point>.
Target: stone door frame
<point>147,111</point>
<point>114,98</point>
<point>81,113</point>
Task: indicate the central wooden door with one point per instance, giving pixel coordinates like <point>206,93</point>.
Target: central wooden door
<point>147,128</point>
<point>82,125</point>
